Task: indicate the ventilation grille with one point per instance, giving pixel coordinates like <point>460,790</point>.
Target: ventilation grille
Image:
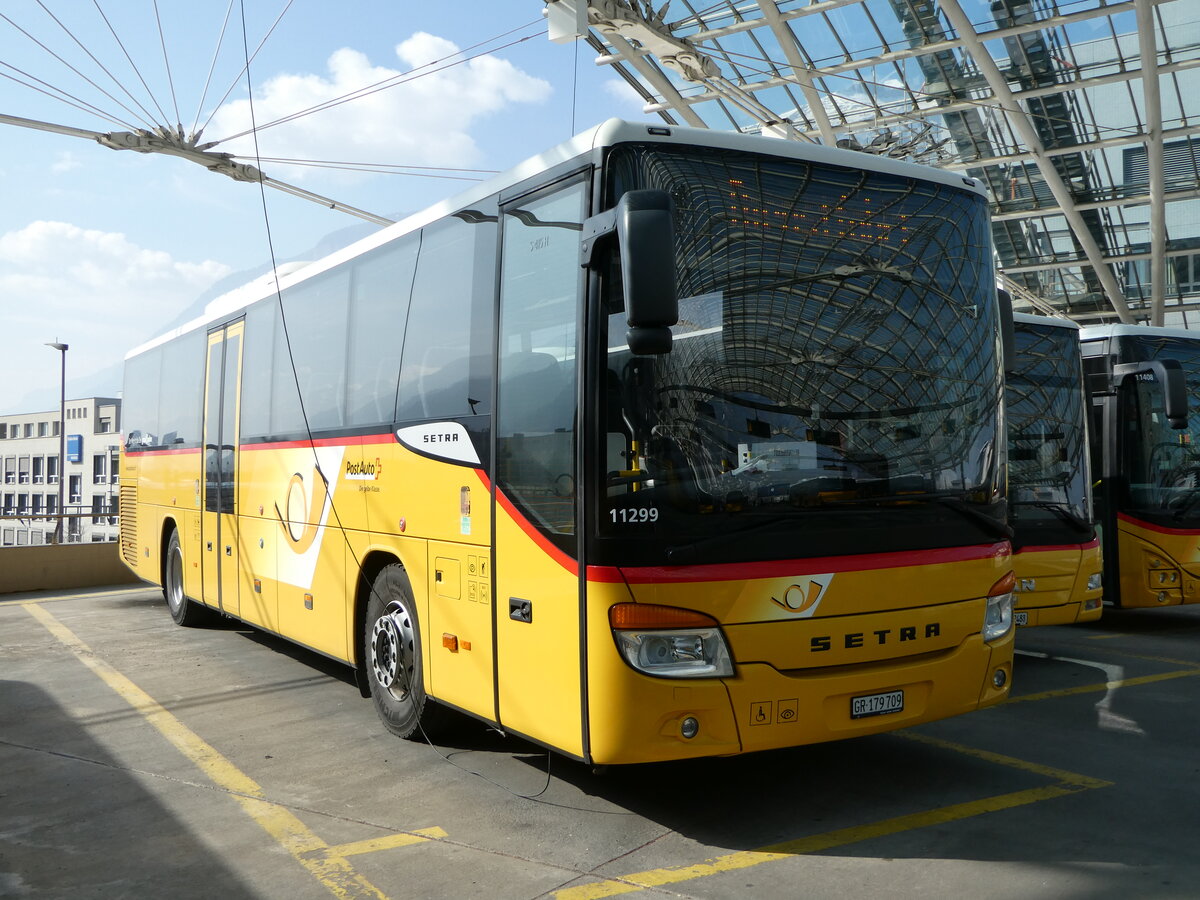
<point>129,522</point>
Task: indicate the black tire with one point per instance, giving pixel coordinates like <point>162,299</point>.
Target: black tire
<point>393,655</point>
<point>184,610</point>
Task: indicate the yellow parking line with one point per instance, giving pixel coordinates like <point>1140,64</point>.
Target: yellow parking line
<point>1070,778</point>
<point>1068,783</point>
<point>372,845</point>
<point>57,598</point>
<point>1185,663</point>
<point>1103,686</point>
<point>327,866</point>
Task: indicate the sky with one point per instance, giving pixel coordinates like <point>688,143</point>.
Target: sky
<point>103,249</point>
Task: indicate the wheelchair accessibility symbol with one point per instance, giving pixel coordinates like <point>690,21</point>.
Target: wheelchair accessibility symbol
<point>768,712</point>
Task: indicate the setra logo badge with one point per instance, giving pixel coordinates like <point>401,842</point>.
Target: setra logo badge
<point>803,596</point>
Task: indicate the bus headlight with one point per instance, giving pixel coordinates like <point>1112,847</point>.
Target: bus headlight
<point>1095,581</point>
<point>670,642</point>
<point>998,617</point>
<point>677,654</point>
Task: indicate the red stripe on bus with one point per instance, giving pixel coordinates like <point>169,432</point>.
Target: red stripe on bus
<point>1161,529</point>
<point>163,452</point>
<point>1046,548</point>
<point>786,568</point>
<point>357,441</point>
<point>536,536</point>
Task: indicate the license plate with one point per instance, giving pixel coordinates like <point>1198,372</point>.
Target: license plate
<point>1020,618</point>
<point>876,704</point>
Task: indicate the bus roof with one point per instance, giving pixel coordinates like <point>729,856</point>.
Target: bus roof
<point>584,144</point>
<point>1049,321</point>
<point>1098,332</point>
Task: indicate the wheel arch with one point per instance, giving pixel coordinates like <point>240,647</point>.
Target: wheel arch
<point>370,567</point>
<point>169,524</point>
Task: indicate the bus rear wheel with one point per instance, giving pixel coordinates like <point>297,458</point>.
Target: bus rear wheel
<point>393,649</point>
<point>184,610</point>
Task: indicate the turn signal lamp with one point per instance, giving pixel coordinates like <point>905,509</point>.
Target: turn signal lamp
<point>670,642</point>
<point>625,616</point>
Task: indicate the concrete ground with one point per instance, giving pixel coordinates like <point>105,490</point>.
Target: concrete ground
<point>139,759</point>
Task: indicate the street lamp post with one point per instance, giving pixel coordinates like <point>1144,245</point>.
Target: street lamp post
<point>62,437</point>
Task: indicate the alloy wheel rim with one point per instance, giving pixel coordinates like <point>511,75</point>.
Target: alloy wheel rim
<point>392,640</point>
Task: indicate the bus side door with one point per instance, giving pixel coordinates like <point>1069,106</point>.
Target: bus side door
<point>536,580</point>
<point>218,526</point>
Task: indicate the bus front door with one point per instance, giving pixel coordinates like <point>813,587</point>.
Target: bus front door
<point>219,533</point>
<point>539,686</point>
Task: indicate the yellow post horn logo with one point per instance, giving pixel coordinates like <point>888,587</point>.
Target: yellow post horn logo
<point>802,598</point>
<point>300,525</point>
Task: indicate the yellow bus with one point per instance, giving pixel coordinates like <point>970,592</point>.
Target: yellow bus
<point>667,443</point>
<point>1056,552</point>
<point>1142,381</point>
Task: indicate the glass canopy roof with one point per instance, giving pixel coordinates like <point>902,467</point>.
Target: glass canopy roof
<point>1093,170</point>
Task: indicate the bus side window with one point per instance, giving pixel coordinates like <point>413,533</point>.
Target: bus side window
<point>445,370</point>
<point>316,313</point>
<point>380,293</point>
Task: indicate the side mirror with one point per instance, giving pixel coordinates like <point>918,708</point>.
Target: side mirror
<point>1008,334</point>
<point>1169,374</point>
<point>645,235</point>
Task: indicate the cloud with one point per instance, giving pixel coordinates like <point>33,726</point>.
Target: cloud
<point>94,290</point>
<point>65,162</point>
<point>426,120</point>
<point>621,91</point>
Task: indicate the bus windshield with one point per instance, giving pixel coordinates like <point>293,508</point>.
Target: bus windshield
<point>1162,465</point>
<point>834,384</point>
<point>1047,454</point>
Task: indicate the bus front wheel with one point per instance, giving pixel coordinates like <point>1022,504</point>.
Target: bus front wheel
<point>392,641</point>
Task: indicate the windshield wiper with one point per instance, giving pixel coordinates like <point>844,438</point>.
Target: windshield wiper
<point>1059,509</point>
<point>952,501</point>
<point>685,554</point>
<point>1186,506</point>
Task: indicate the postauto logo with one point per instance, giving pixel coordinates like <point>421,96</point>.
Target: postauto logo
<point>803,596</point>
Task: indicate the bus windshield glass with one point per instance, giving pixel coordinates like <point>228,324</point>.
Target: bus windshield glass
<point>1161,464</point>
<point>1047,453</point>
<point>834,383</point>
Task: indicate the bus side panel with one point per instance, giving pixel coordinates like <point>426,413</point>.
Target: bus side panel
<point>416,494</point>
<point>160,489</point>
<point>288,492</point>
<point>190,536</point>
<point>458,638</point>
<point>1052,585</point>
<point>259,590</point>
<point>260,532</point>
<point>537,654</point>
<point>447,505</point>
<point>1159,567</point>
